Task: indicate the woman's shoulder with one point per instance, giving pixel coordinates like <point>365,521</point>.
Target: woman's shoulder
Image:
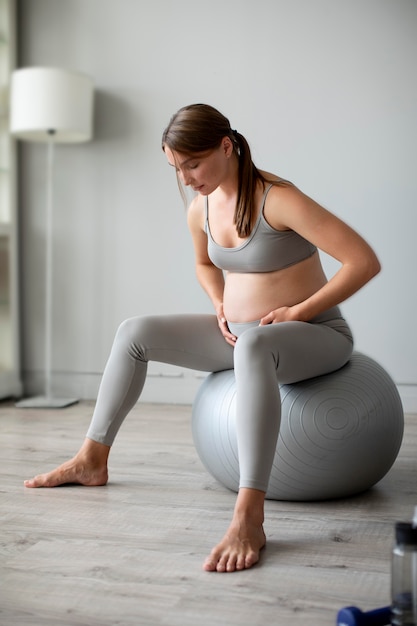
<point>283,200</point>
<point>275,180</point>
<point>196,212</point>
<point>278,189</point>
<point>197,205</point>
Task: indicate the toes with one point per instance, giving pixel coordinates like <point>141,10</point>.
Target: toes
<point>33,482</point>
<point>43,480</point>
<point>224,564</point>
<point>228,562</point>
<point>233,554</point>
<point>241,563</point>
<point>216,562</point>
<point>210,565</point>
<point>251,559</point>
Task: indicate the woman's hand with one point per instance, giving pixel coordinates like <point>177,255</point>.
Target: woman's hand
<point>283,314</point>
<point>231,339</point>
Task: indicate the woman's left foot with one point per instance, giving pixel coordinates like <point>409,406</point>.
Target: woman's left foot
<point>239,549</point>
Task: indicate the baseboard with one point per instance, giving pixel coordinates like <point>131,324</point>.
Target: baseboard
<point>164,385</point>
<point>10,384</point>
<point>408,395</point>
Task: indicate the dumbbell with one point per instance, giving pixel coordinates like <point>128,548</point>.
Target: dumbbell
<point>352,616</point>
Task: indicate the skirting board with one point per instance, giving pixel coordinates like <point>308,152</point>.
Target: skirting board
<point>163,386</point>
<point>160,388</point>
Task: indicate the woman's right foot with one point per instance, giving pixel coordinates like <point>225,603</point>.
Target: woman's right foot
<point>69,473</point>
<point>88,467</point>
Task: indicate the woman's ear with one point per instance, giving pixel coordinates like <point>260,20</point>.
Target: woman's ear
<point>227,146</point>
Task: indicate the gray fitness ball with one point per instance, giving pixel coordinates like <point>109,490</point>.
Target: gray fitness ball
<point>340,433</point>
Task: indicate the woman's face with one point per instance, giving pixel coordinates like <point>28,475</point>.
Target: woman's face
<point>203,171</point>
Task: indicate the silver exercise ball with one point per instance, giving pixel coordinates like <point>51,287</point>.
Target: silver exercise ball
<point>340,433</point>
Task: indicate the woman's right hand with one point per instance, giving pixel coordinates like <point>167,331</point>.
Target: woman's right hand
<point>231,339</point>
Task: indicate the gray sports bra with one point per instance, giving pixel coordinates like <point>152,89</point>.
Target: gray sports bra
<point>265,250</point>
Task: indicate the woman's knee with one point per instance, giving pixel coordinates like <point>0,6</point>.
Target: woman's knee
<point>127,329</point>
<point>131,333</point>
<point>251,345</point>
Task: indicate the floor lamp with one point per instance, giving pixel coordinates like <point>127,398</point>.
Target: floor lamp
<point>50,105</point>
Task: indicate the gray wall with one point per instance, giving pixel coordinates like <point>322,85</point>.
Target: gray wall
<point>325,92</point>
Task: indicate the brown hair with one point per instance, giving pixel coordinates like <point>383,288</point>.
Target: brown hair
<point>198,128</point>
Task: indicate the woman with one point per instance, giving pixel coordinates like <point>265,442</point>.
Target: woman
<point>256,240</point>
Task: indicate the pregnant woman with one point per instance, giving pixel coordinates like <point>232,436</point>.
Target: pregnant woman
<point>276,317</point>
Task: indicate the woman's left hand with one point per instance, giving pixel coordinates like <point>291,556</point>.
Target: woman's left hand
<point>283,314</point>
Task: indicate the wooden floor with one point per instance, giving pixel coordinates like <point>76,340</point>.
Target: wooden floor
<point>130,553</point>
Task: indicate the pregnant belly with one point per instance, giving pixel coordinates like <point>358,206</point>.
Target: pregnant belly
<point>249,297</point>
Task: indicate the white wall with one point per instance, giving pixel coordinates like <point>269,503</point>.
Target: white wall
<point>325,92</point>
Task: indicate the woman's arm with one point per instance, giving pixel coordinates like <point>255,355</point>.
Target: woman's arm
<point>289,208</point>
<point>209,276</point>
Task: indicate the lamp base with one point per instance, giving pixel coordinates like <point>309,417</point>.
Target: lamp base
<point>45,402</point>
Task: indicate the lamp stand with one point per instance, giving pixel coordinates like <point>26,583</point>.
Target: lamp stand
<point>48,401</point>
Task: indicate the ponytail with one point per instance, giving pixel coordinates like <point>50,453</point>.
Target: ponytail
<point>248,178</point>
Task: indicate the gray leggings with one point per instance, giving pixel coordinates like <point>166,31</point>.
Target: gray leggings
<point>263,355</point>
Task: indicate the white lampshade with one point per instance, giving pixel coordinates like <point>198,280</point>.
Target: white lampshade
<point>51,102</point>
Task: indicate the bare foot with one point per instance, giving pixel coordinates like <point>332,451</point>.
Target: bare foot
<point>239,549</point>
<point>241,546</point>
<point>88,467</point>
